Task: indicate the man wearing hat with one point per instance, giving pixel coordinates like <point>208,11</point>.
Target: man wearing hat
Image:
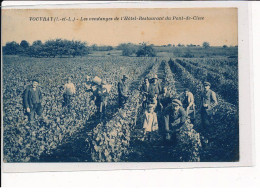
<point>175,117</point>
<point>69,91</point>
<point>144,92</point>
<point>154,88</point>
<point>100,98</point>
<point>164,99</point>
<point>122,91</point>
<point>209,101</point>
<point>32,100</point>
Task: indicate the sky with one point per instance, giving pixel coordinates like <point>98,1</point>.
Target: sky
<point>219,26</point>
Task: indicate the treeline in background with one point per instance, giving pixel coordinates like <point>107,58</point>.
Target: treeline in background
<point>73,48</point>
<point>51,48</point>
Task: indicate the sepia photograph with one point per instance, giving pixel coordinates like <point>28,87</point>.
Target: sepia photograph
<point>120,85</point>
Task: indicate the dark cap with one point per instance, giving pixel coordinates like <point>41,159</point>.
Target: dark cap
<point>155,77</point>
<point>176,102</point>
<point>35,80</point>
<point>186,90</point>
<point>207,84</point>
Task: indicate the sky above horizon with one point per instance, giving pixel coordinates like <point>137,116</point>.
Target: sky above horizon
<point>219,26</point>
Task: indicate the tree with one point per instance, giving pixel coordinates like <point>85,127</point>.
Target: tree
<point>11,48</point>
<point>24,44</point>
<point>37,43</point>
<point>188,54</point>
<point>94,47</point>
<point>128,49</point>
<point>181,45</point>
<point>110,48</point>
<point>36,48</point>
<point>51,48</point>
<point>79,48</point>
<point>191,45</point>
<point>146,51</point>
<point>206,45</point>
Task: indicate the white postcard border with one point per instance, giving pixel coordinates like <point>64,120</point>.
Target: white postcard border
<point>246,132</point>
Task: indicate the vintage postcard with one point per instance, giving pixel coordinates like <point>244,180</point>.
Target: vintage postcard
<point>149,86</point>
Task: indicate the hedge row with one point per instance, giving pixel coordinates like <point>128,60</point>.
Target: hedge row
<point>169,80</point>
<point>220,66</point>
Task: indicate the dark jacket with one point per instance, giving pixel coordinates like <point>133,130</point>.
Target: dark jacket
<point>144,88</point>
<point>30,98</point>
<point>164,101</point>
<point>174,120</point>
<point>100,94</point>
<point>154,89</point>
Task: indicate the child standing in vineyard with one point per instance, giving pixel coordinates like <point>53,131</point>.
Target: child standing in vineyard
<point>69,91</point>
<point>150,124</point>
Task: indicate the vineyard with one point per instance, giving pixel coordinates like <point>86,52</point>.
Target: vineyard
<point>81,137</point>
<point>225,121</point>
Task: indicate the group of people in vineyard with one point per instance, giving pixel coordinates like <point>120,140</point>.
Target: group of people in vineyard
<point>160,110</point>
<point>32,96</point>
<point>167,114</point>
